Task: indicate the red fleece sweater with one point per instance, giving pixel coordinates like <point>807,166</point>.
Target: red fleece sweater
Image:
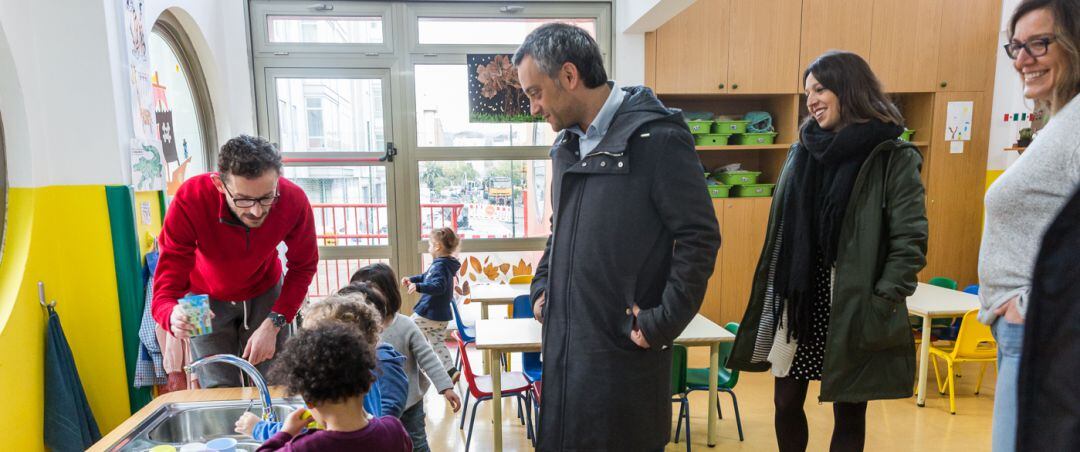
<point>205,249</point>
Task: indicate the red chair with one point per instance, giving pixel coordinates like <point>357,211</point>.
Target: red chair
<point>480,387</point>
<point>537,386</point>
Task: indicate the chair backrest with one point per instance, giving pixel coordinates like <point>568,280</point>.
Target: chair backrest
<point>725,352</point>
<point>460,324</point>
<point>521,279</point>
<point>466,366</point>
<point>523,307</point>
<point>942,281</point>
<point>972,289</point>
<point>678,369</point>
<point>974,339</point>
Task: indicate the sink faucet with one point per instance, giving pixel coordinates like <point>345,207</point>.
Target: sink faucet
<point>250,370</point>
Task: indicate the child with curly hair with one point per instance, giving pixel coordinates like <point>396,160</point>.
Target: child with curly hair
<point>332,366</point>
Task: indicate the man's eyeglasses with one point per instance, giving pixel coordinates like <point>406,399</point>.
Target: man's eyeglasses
<point>1034,47</point>
<point>245,203</point>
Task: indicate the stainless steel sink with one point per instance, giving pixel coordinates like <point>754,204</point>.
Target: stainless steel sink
<point>180,423</point>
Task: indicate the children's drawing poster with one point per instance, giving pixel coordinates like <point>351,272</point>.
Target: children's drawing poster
<point>958,121</point>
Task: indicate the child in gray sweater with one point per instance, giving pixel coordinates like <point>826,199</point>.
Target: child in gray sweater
<point>400,331</point>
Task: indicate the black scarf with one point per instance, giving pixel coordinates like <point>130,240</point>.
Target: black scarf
<point>815,199</point>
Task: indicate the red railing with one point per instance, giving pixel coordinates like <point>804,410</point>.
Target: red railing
<point>338,224</point>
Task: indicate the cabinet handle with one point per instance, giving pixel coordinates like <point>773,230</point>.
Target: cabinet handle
<point>943,84</point>
<point>721,86</point>
<point>734,86</point>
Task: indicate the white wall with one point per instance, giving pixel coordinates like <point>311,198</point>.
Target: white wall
<point>64,94</point>
<point>1008,98</point>
<point>59,101</point>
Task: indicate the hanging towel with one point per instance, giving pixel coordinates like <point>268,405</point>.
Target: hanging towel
<point>69,422</point>
<point>149,370</point>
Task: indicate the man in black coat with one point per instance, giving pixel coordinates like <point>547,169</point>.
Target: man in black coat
<point>634,240</point>
<point>1049,397</point>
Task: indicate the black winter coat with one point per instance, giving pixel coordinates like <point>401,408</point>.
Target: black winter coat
<point>632,224</point>
<point>1049,398</point>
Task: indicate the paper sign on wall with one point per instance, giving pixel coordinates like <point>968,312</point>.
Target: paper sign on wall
<point>144,210</point>
<point>956,147</point>
<point>958,121</point>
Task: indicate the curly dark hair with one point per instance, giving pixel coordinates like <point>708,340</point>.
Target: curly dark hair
<point>372,295</point>
<point>248,157</point>
<point>326,364</point>
<point>350,308</point>
<point>383,278</point>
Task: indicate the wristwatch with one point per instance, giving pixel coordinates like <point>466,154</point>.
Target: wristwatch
<point>277,319</point>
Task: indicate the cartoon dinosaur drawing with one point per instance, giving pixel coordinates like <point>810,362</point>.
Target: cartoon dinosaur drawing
<point>149,169</point>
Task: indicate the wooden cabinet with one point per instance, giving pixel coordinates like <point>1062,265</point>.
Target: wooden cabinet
<point>743,223</point>
<point>967,49</point>
<point>833,25</point>
<point>692,51</point>
<point>763,57</point>
<point>727,46</point>
<point>955,186</point>
<point>904,44</point>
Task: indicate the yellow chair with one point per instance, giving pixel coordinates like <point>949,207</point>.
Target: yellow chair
<point>521,279</point>
<point>974,343</point>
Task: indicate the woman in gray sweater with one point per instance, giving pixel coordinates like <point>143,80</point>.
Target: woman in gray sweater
<point>1044,43</point>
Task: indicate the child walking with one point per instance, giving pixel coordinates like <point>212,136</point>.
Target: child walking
<point>401,332</point>
<point>332,366</point>
<point>433,311</point>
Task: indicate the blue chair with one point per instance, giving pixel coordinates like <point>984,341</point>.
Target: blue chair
<point>531,360</point>
<point>467,333</point>
<point>972,289</point>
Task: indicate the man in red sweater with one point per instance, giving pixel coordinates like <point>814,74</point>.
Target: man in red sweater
<point>220,238</point>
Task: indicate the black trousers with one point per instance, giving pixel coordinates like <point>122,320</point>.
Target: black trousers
<point>792,431</point>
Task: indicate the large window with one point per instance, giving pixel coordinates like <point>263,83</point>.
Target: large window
<point>344,86</point>
<point>181,103</point>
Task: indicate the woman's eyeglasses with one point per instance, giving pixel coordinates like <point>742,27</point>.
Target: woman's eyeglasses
<point>1035,47</point>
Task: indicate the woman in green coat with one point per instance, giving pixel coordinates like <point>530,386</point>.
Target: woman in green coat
<point>846,238</point>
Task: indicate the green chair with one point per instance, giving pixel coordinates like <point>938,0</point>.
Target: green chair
<point>698,379</point>
<point>942,281</point>
<point>679,392</point>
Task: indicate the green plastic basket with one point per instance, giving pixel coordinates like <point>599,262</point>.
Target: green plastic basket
<point>755,138</point>
<point>730,126</point>
<point>719,191</point>
<point>738,177</point>
<point>699,127</point>
<point>906,136</point>
<point>711,139</point>
<point>752,190</point>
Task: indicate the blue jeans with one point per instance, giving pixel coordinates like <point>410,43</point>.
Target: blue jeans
<point>1010,340</point>
<point>414,419</point>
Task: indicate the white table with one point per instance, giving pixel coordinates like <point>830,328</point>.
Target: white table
<point>931,302</point>
<point>496,336</point>
<point>495,294</point>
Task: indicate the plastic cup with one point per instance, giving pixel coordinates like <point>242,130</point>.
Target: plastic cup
<point>193,447</point>
<point>222,445</point>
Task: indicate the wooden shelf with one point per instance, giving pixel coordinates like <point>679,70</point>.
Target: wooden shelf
<point>921,144</point>
<point>744,147</point>
<point>1011,148</point>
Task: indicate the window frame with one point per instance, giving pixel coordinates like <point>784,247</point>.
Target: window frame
<point>398,54</point>
<point>169,28</point>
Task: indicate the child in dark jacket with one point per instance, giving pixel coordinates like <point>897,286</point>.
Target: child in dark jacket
<point>331,366</point>
<point>433,311</point>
